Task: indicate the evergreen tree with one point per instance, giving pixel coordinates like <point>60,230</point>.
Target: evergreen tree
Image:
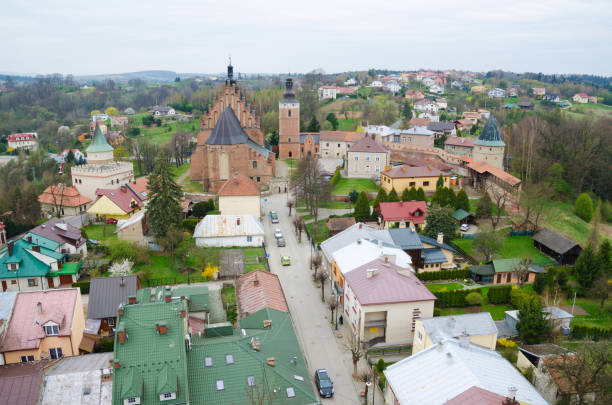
<point>450,197</point>
<point>439,197</point>
<point>405,195</point>
<point>412,194</point>
<point>439,219</point>
<point>362,207</point>
<point>392,197</point>
<point>331,117</point>
<point>421,195</point>
<point>440,182</point>
<point>532,324</point>
<point>463,202</point>
<point>604,256</point>
<point>484,209</point>
<point>353,196</point>
<point>407,111</point>
<point>314,126</point>
<point>583,207</point>
<point>380,197</point>
<point>587,267</point>
<point>164,209</point>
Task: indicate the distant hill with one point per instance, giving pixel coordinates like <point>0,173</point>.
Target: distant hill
<point>145,75</point>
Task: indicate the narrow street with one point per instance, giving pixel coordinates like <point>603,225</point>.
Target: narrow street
<point>311,316</point>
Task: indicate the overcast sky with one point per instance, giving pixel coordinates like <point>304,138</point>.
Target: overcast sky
<point>115,36</point>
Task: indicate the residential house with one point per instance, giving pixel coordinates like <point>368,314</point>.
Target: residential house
<point>134,229</point>
<point>459,146</point>
<point>414,95</point>
<point>100,117</point>
<point>327,92</point>
<point>366,158</point>
<point>429,115</point>
<point>115,138</point>
<point>159,355</point>
<point>99,124</point>
<point>350,81</point>
<point>392,87</point>
<point>401,177</point>
<point>335,144</point>
<point>473,116</point>
<point>162,111</point>
<point>239,195</point>
<point>229,230</point>
<point>69,237</point>
<point>439,129</point>
<point>512,92</point>
<point>416,136</point>
<point>119,121</point>
<point>503,271</point>
<point>479,328</point>
<point>552,97</point>
<point>437,255</point>
<point>25,141</point>
<point>496,93</point>
<point>44,325</point>
<point>457,85</point>
<point>593,99</point>
<point>539,91</point>
<point>489,147</point>
<point>430,258</point>
<point>376,84</point>
<point>379,131</point>
<point>336,225</point>
<point>459,365</point>
<point>464,124</point>
<point>114,203</point>
<point>581,98</point>
<point>379,296</point>
<point>479,89</point>
<point>428,81</point>
<point>558,319</point>
<point>525,105</point>
<point>436,88</point>
<point>403,214</point>
<point>106,294</point>
<point>85,380</point>
<point>564,250</point>
<point>442,103</point>
<point>32,263</point>
<point>63,200</point>
<point>20,383</point>
<point>78,155</point>
<point>426,104</point>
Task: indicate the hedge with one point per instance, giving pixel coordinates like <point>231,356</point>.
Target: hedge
<point>499,294</point>
<point>190,224</point>
<point>455,298</point>
<point>593,332</point>
<point>444,275</point>
<point>83,285</point>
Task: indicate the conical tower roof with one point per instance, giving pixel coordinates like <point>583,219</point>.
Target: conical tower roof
<point>490,135</point>
<point>98,143</point>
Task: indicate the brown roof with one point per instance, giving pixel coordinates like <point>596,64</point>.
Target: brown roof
<point>476,396</point>
<point>60,231</point>
<point>464,122</point>
<point>460,141</point>
<point>341,136</point>
<point>20,383</point>
<point>340,224</point>
<point>482,167</point>
<point>420,122</point>
<point>141,187</point>
<point>62,195</point>
<point>368,144</point>
<point>554,365</point>
<point>238,185</point>
<point>258,290</point>
<point>405,171</point>
<point>123,197</point>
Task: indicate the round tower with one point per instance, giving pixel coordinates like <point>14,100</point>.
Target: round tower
<point>289,123</point>
<point>489,146</point>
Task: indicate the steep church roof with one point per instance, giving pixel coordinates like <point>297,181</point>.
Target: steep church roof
<point>228,130</point>
<point>490,134</point>
<point>98,143</point>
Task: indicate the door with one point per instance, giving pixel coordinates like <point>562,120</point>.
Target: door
<point>66,279</point>
<point>4,287</point>
<point>50,282</point>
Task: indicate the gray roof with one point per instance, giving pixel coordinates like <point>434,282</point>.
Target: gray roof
<point>314,136</point>
<point>554,241</point>
<point>107,293</point>
<point>7,300</point>
<point>406,238</point>
<point>483,270</point>
<point>444,327</point>
<point>227,131</point>
<point>60,231</point>
<point>490,134</point>
<point>432,241</point>
<point>350,235</point>
<point>433,255</point>
<point>441,126</point>
<point>88,362</point>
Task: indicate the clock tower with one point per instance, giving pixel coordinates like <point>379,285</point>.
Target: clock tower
<point>289,123</point>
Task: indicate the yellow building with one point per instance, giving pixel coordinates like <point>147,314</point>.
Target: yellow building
<point>401,177</point>
<point>239,195</point>
<point>120,203</point>
<point>479,89</point>
<point>45,324</point>
<point>479,327</point>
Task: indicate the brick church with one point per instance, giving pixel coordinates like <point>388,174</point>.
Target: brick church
<point>231,140</point>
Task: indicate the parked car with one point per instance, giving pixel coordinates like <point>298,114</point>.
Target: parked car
<point>274,217</point>
<point>280,242</point>
<point>324,383</point>
<point>285,261</point>
<point>464,227</point>
<point>93,242</point>
<point>277,233</point>
<point>111,221</point>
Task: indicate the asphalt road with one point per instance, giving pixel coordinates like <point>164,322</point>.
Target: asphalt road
<point>311,317</point>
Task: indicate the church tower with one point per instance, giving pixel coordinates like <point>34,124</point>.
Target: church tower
<point>489,146</point>
<point>289,123</point>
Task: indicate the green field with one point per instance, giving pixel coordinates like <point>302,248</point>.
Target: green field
<point>345,186</point>
<point>102,232</point>
<point>474,205</point>
<point>497,311</point>
<point>318,230</point>
<point>443,287</point>
<point>514,246</point>
<point>348,125</point>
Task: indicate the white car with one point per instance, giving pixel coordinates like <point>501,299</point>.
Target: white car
<point>464,227</point>
<point>277,233</point>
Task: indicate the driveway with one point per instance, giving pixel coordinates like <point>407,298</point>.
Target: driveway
<point>322,349</point>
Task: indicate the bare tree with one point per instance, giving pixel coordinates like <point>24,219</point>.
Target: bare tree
<point>290,205</point>
<point>366,377</point>
<point>322,278</point>
<point>333,305</point>
<point>521,268</point>
<point>309,183</point>
<point>315,264</point>
<point>57,195</point>
<point>298,225</point>
<point>354,347</point>
<point>532,200</point>
<point>602,287</point>
<point>500,197</point>
<point>487,242</point>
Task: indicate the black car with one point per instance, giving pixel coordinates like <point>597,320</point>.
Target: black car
<point>324,383</point>
<point>280,242</point>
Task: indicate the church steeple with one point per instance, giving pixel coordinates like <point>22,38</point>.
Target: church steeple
<point>230,72</point>
<point>289,94</point>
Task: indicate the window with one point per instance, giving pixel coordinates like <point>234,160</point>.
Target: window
<point>52,330</point>
<point>167,396</point>
<point>327,144</point>
<point>508,277</point>
<point>111,321</point>
<point>13,282</point>
<point>251,381</point>
<point>425,183</point>
<point>220,385</point>
<point>338,145</point>
<point>367,158</point>
<point>367,167</point>
<point>112,181</point>
<point>32,282</point>
<point>411,184</point>
<point>25,359</point>
<point>133,400</point>
<point>289,140</point>
<point>229,359</point>
<point>208,361</point>
<point>289,113</point>
<point>377,168</point>
<point>378,158</point>
<point>13,266</point>
<point>356,158</point>
<point>249,238</point>
<point>254,164</point>
<point>499,278</point>
<point>258,179</point>
<point>55,353</point>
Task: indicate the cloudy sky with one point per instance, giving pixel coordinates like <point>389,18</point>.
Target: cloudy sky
<point>114,36</point>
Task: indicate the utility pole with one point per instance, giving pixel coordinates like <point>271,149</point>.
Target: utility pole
<point>33,174</point>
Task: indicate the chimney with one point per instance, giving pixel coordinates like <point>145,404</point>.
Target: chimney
<point>117,364</point>
<point>449,358</point>
<point>464,340</point>
<point>11,244</point>
<point>403,168</point>
<point>39,307</point>
<point>270,361</point>
<point>510,399</point>
<point>183,314</point>
<point>132,299</point>
<point>256,282</point>
<point>168,297</point>
<point>370,273</point>
<point>440,238</point>
<point>255,344</point>
<point>121,336</point>
<point>36,248</point>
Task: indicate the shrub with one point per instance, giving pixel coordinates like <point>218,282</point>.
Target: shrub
<point>506,342</point>
<point>444,275</point>
<point>583,207</point>
<point>473,298</point>
<point>104,345</point>
<point>518,298</point>
<point>437,311</point>
<point>120,250</point>
<point>592,332</point>
<point>189,224</point>
<point>539,283</point>
<point>336,177</point>
<point>83,285</point>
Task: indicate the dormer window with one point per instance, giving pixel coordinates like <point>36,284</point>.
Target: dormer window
<point>51,329</point>
<point>167,396</point>
<point>132,400</point>
<point>13,266</point>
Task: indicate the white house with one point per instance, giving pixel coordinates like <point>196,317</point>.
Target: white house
<point>99,117</point>
<point>328,92</point>
<point>377,84</point>
<point>497,93</point>
<point>162,111</point>
<point>229,230</point>
<point>429,81</point>
<point>581,98</point>
<point>25,140</point>
<point>393,87</point>
<point>350,82</point>
<point>442,103</point>
<point>436,88</point>
<point>426,105</point>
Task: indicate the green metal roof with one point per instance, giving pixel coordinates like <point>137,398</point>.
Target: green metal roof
<point>507,265</point>
<point>143,295</point>
<point>197,296</point>
<point>460,214</point>
<point>69,268</point>
<point>29,265</point>
<point>132,384</point>
<point>166,381</point>
<point>490,134</point>
<point>98,143</point>
<point>43,242</point>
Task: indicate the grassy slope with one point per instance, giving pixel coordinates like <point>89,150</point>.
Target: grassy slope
<point>345,186</point>
<point>348,125</point>
<point>559,216</point>
<point>514,246</point>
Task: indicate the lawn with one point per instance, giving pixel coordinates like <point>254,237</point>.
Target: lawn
<point>348,125</point>
<point>161,135</point>
<point>514,246</point>
<point>181,170</point>
<point>345,186</point>
<point>318,230</point>
<point>497,311</point>
<point>591,305</point>
<point>443,287</point>
<point>474,205</point>
<point>104,233</point>
<point>325,204</point>
<point>559,216</point>
<point>252,253</point>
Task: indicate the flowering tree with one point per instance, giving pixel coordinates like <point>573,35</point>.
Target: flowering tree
<point>123,268</point>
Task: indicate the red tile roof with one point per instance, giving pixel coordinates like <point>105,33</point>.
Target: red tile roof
<point>420,122</point>
<point>238,185</point>
<point>476,396</point>
<point>582,95</point>
<point>26,136</point>
<point>141,187</point>
<point>368,144</point>
<point>403,211</point>
<point>258,290</point>
<point>389,285</point>
<point>123,197</point>
<point>20,383</point>
<point>62,195</point>
<point>459,141</point>
<point>464,122</point>
<point>341,136</point>
<point>482,167</point>
<point>25,329</point>
<point>399,172</point>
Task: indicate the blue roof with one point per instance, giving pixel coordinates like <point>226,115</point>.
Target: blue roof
<point>434,242</point>
<point>406,238</point>
<point>490,134</point>
<point>433,255</point>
